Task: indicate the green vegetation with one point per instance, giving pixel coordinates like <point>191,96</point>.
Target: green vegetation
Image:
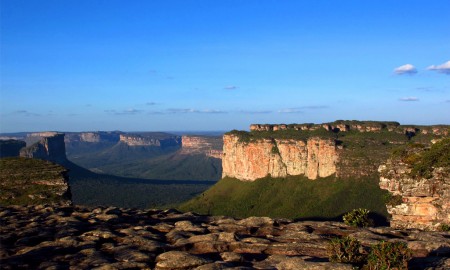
<point>382,256</point>
<point>291,197</point>
<point>20,177</point>
<point>445,228</point>
<point>389,255</point>
<point>172,166</point>
<point>345,250</point>
<point>94,189</point>
<point>357,218</point>
<point>424,160</point>
<point>246,137</point>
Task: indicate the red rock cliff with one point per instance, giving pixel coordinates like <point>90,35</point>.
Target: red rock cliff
<point>278,157</point>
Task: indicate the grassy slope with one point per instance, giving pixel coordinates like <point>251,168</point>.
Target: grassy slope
<point>292,197</point>
<point>17,176</point>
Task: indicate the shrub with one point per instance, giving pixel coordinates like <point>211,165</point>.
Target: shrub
<point>345,250</point>
<point>389,255</point>
<point>357,218</point>
<point>393,200</point>
<point>445,228</point>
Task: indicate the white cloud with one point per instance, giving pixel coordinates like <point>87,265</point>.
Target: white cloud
<point>177,110</point>
<point>254,112</point>
<point>124,112</point>
<point>409,99</point>
<point>25,113</point>
<point>291,110</point>
<point>443,68</point>
<point>405,69</point>
<point>303,108</point>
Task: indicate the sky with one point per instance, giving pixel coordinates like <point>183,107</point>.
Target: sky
<point>87,65</point>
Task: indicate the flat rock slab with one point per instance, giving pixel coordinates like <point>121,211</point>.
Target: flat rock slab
<point>61,237</point>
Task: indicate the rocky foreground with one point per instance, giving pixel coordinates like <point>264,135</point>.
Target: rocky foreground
<point>66,237</point>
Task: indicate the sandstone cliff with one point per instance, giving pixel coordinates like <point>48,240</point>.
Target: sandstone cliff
<point>423,199</point>
<point>206,145</point>
<point>49,147</point>
<point>150,140</point>
<point>249,161</point>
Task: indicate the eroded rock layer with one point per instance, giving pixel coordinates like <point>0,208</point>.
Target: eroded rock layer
<point>315,157</point>
<point>423,201</point>
<point>54,237</point>
<point>206,145</point>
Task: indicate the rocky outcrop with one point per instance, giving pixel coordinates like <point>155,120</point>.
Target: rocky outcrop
<point>92,137</point>
<point>33,181</point>
<point>206,145</point>
<point>422,201</point>
<point>50,147</point>
<point>11,148</point>
<point>55,237</point>
<point>251,160</point>
<point>143,140</point>
<point>361,126</point>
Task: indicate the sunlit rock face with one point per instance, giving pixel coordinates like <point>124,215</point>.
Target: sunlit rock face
<point>142,140</point>
<point>249,161</point>
<point>206,145</point>
<point>425,202</point>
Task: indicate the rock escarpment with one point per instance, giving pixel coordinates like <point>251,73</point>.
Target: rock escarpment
<point>206,145</point>
<point>33,181</point>
<point>93,137</point>
<point>150,140</point>
<point>422,199</point>
<point>54,237</point>
<point>315,157</point>
<point>49,147</point>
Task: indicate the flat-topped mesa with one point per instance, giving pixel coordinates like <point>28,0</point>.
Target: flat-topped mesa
<point>361,126</point>
<point>50,147</point>
<point>142,140</point>
<point>92,137</point>
<point>207,145</point>
<point>248,161</point>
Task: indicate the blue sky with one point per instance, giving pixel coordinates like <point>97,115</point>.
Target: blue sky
<point>74,65</point>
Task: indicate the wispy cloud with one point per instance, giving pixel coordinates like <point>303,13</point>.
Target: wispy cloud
<point>405,69</point>
<point>254,112</point>
<point>407,99</point>
<point>125,112</point>
<point>291,110</point>
<point>302,109</point>
<point>231,87</point>
<point>25,113</point>
<point>151,103</point>
<point>443,68</point>
<point>184,110</point>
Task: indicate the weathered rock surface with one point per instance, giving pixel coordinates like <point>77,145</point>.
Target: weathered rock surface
<point>206,145</point>
<point>249,161</point>
<point>425,201</point>
<point>57,237</point>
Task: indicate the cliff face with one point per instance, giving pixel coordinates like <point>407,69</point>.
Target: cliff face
<point>48,148</point>
<point>249,161</point>
<point>140,140</point>
<point>209,146</point>
<point>423,202</point>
